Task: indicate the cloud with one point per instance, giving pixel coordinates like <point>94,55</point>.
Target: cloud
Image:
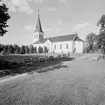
<point>62,1</point>
<point>20,6</point>
<point>30,28</point>
<point>38,1</point>
<point>58,29</point>
<point>80,26</point>
<point>47,29</point>
<point>85,28</point>
<point>59,21</point>
<point>51,9</point>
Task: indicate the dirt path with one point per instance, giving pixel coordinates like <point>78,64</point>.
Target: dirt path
<point>82,82</point>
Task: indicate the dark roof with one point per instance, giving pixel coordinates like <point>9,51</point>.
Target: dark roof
<point>58,38</point>
<point>41,41</point>
<point>38,25</point>
<point>78,39</point>
<point>63,38</point>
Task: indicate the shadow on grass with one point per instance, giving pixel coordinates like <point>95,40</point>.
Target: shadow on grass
<point>39,67</point>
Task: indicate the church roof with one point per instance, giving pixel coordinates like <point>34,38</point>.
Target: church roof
<point>38,25</point>
<point>60,38</point>
<point>78,39</point>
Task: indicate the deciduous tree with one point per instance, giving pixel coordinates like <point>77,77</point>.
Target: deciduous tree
<point>101,36</point>
<point>26,49</point>
<point>31,49</point>
<point>22,49</point>
<point>90,41</point>
<point>4,16</point>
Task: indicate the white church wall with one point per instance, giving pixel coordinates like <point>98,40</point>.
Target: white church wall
<point>62,47</point>
<point>79,46</point>
<point>48,44</point>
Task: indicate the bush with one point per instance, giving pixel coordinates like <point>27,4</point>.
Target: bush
<point>51,58</point>
<point>45,50</point>
<point>40,50</point>
<point>42,59</point>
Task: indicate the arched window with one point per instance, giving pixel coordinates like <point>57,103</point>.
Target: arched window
<point>55,46</point>
<point>66,46</point>
<point>60,46</point>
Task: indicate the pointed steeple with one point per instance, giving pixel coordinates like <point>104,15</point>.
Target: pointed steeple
<point>38,25</point>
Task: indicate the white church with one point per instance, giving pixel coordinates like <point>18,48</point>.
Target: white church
<point>59,44</point>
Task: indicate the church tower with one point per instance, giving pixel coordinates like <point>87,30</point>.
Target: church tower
<point>38,33</point>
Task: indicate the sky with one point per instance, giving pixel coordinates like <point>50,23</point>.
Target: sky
<point>58,17</point>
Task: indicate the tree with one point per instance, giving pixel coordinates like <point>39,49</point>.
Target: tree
<point>45,49</point>
<point>10,49</point>
<point>35,50</point>
<point>101,42</point>
<point>4,16</point>
<point>101,36</point>
<point>40,49</point>
<point>22,49</point>
<point>1,47</point>
<point>26,49</point>
<point>90,41</point>
<point>102,23</point>
<point>17,50</point>
<point>5,50</point>
<point>31,49</point>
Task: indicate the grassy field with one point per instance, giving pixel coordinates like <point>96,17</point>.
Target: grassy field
<point>81,82</point>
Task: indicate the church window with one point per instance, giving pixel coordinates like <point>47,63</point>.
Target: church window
<point>60,46</point>
<point>54,46</point>
<point>67,46</point>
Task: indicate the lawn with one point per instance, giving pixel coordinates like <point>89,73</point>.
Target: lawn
<point>81,82</point>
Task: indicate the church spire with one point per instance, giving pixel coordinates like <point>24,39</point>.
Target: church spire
<point>38,25</point>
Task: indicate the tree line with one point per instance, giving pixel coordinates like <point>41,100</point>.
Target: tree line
<point>24,49</point>
<point>96,43</point>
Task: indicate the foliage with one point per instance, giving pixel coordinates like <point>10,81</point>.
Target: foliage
<point>17,50</point>
<point>10,49</point>
<point>31,49</point>
<point>40,49</point>
<point>22,49</point>
<point>5,50</point>
<point>35,50</point>
<point>101,42</point>
<point>4,16</point>
<point>101,37</point>
<point>26,49</point>
<point>1,47</point>
<point>102,23</point>
<point>90,42</point>
<point>45,50</point>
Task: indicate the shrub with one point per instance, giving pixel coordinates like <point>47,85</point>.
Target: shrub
<point>42,59</point>
<point>45,50</point>
<point>51,58</point>
<point>40,50</point>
